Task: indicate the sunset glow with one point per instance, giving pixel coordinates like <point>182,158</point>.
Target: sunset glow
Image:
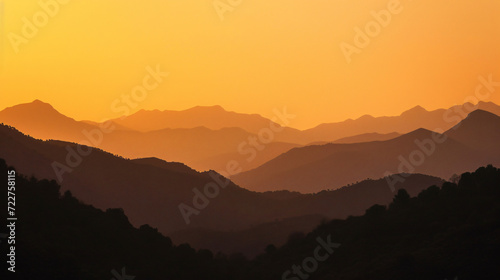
<point>262,55</point>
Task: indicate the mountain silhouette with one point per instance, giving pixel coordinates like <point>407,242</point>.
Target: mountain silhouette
<point>200,148</point>
<point>211,117</point>
<point>40,120</point>
<point>215,117</point>
<point>150,191</point>
<point>313,168</point>
<point>62,238</point>
<point>417,117</point>
<point>443,231</point>
<point>226,140</point>
<point>479,131</point>
<point>448,231</point>
<point>365,137</point>
<point>309,209</point>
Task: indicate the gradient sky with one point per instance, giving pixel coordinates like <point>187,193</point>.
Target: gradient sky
<point>265,54</point>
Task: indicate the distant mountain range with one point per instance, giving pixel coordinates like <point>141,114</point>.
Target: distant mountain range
<point>468,145</point>
<point>215,118</point>
<point>415,118</point>
<point>364,129</point>
<point>211,117</point>
<point>211,138</point>
<point>150,191</point>
<point>200,147</point>
<point>365,137</point>
<point>346,168</point>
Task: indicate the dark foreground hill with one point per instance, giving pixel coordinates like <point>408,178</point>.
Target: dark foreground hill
<point>447,232</point>
<point>58,237</point>
<point>452,232</point>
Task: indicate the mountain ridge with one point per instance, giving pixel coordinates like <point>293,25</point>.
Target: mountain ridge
<point>151,190</point>
<point>312,168</point>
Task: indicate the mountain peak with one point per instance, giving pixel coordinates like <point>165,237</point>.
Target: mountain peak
<point>415,111</point>
<point>39,103</point>
<point>420,131</point>
<point>479,119</point>
<point>415,134</point>
<point>36,110</point>
<point>476,114</point>
<point>486,103</point>
<point>36,106</point>
<point>366,117</point>
<point>208,108</point>
<point>41,106</point>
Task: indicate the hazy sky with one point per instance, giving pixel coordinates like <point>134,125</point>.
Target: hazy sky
<point>264,54</point>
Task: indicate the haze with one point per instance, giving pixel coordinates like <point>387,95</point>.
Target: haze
<point>263,55</point>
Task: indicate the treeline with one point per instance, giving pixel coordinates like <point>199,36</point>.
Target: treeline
<point>445,232</point>
<point>58,237</point>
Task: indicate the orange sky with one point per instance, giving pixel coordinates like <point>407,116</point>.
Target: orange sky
<point>263,55</point>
